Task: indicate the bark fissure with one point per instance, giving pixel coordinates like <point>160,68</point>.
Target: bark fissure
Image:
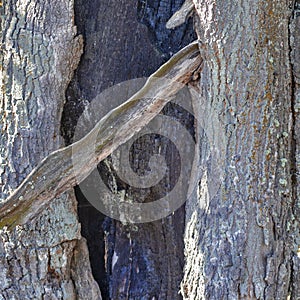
<point>129,45</point>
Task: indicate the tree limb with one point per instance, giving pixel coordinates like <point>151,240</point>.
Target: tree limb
<point>181,15</point>
<point>56,174</point>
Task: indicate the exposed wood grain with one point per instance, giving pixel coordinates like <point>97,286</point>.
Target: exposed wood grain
<point>55,174</point>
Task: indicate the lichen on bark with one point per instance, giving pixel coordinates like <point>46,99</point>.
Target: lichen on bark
<point>39,52</point>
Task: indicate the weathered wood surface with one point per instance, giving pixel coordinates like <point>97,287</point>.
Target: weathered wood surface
<point>39,52</point>
<point>181,15</point>
<point>56,174</point>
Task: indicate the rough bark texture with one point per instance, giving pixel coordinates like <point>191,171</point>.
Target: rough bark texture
<point>39,52</point>
<point>295,60</point>
<point>241,238</point>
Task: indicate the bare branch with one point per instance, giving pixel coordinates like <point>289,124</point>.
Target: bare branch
<point>181,15</point>
<point>56,174</point>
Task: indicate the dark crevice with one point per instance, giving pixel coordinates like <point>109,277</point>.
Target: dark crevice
<point>155,14</point>
<point>91,228</point>
<point>119,47</point>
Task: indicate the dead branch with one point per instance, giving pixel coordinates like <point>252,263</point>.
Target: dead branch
<point>181,15</point>
<point>56,174</point>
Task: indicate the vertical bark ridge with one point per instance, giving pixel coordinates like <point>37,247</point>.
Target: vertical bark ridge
<point>295,155</point>
<point>244,234</point>
<point>30,48</point>
<point>39,52</point>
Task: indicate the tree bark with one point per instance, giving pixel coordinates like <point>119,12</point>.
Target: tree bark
<point>39,52</point>
<point>238,235</point>
<point>242,234</point>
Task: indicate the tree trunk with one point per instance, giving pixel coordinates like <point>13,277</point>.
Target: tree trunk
<point>237,237</point>
<point>47,258</point>
<point>242,225</point>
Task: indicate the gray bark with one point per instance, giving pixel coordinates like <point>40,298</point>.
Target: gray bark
<point>39,52</point>
<point>241,238</point>
<point>295,59</point>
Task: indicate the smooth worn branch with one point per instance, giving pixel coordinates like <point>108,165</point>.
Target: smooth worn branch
<point>181,15</point>
<point>57,174</point>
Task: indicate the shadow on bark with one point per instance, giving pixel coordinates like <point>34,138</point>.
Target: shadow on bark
<point>119,48</point>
